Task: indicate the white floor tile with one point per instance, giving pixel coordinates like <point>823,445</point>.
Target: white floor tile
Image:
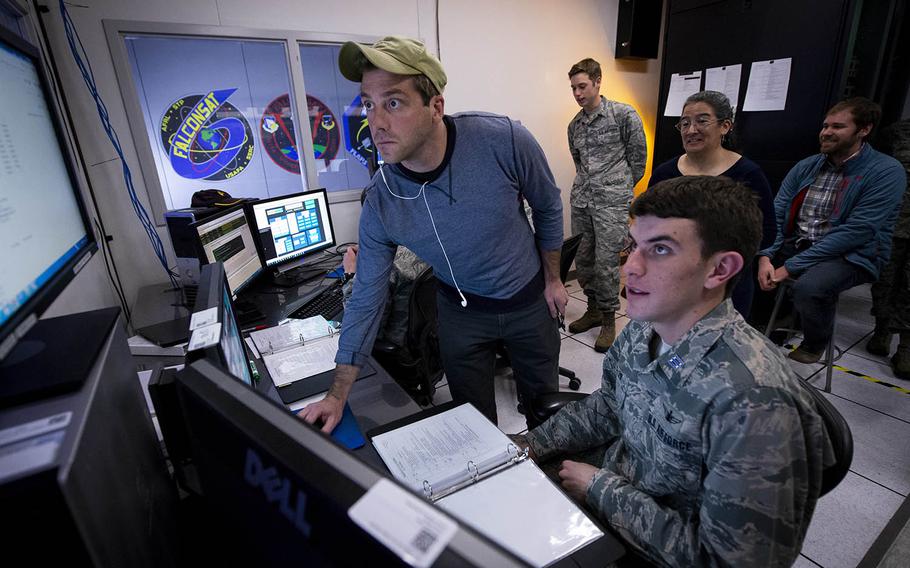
<point>509,420</point>
<point>442,394</point>
<point>866,392</point>
<point>587,364</point>
<point>803,562</point>
<point>881,444</point>
<point>847,521</point>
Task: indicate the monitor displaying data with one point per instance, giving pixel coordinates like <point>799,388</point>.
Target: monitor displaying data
<point>44,232</point>
<point>228,239</point>
<point>291,226</point>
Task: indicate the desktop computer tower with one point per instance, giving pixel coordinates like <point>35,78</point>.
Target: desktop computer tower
<point>82,477</point>
<point>184,240</point>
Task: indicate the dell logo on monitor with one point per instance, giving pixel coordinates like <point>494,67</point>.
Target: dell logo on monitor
<point>277,490</point>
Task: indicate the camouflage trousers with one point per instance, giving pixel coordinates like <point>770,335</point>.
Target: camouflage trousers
<point>891,294</point>
<point>604,232</point>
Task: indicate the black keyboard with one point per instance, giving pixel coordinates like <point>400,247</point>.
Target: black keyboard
<point>327,303</point>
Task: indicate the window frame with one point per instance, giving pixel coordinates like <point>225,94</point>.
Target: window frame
<point>115,32</point>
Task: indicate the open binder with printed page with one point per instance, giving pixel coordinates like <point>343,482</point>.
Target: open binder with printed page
<point>462,462</point>
<point>297,349</point>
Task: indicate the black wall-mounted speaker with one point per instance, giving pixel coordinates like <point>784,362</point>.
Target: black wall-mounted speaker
<point>638,29</point>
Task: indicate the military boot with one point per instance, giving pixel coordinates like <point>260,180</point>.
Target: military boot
<point>589,320</point>
<point>880,342</point>
<point>607,332</point>
<point>901,359</point>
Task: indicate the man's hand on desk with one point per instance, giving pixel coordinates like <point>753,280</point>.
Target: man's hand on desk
<point>328,411</point>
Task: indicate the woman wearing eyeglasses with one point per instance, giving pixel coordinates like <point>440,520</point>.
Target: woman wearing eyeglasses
<point>705,127</point>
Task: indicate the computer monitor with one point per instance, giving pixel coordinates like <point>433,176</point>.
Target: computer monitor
<point>281,490</point>
<point>228,353</point>
<point>227,238</point>
<point>292,226</point>
<point>45,235</point>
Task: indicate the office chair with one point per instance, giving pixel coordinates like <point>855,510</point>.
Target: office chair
<point>840,435</point>
<point>417,366</point>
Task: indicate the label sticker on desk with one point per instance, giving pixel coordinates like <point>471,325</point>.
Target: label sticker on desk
<point>407,525</point>
<point>203,318</point>
<point>205,337</point>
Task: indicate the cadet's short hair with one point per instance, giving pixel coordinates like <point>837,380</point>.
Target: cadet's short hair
<point>864,111</point>
<point>587,65</point>
<point>726,213</point>
<point>422,83</point>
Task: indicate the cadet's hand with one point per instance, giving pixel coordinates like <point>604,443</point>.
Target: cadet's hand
<point>576,478</point>
<point>556,297</point>
<point>349,262</point>
<point>327,411</point>
<point>766,274</point>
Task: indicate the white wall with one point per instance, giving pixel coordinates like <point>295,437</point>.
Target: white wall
<point>505,56</point>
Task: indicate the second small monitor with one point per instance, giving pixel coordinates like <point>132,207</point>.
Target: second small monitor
<point>290,226</point>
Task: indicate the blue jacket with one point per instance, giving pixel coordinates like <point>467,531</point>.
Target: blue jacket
<point>474,207</point>
<point>862,221</point>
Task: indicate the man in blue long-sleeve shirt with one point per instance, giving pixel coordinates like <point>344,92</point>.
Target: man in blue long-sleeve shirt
<point>450,190</point>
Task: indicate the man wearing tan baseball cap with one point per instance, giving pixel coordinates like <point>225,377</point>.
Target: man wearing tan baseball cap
<point>450,189</point>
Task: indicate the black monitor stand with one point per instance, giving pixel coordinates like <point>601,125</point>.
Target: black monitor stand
<point>55,356</point>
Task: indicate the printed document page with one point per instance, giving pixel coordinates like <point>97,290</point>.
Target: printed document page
<point>313,358</point>
<point>439,446</point>
<point>502,506</point>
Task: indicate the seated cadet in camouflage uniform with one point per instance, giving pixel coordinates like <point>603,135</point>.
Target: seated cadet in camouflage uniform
<point>891,294</point>
<point>711,453</point>
<point>406,268</point>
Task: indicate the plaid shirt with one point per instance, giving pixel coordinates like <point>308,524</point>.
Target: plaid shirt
<point>812,223</point>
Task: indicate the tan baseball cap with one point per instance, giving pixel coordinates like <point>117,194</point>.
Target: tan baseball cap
<point>395,54</point>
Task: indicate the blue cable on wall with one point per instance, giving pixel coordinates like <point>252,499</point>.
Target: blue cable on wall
<point>85,68</point>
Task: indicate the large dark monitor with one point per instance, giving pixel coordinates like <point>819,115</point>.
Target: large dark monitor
<point>291,226</point>
<point>281,490</point>
<point>228,353</point>
<point>227,238</point>
<point>45,236</point>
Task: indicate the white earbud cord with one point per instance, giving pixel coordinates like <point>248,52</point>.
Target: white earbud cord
<point>464,301</point>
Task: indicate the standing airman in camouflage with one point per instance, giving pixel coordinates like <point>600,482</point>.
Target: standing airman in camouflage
<point>608,146</point>
<point>712,450</point>
<point>891,294</point>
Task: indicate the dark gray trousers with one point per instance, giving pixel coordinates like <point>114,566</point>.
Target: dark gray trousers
<point>468,340</point>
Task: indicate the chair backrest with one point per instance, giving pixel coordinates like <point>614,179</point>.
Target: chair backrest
<point>422,337</point>
<point>840,436</point>
<point>569,248</point>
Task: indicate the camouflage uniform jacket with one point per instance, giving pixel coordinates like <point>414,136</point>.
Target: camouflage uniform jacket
<point>714,452</point>
<point>609,150</point>
<point>897,144</point>
<point>394,325</point>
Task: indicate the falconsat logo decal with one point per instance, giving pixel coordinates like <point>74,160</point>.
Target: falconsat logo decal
<point>206,137</point>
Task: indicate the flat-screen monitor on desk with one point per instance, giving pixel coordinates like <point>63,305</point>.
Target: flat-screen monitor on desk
<point>227,238</point>
<point>228,352</point>
<point>45,235</point>
<point>283,490</point>
<point>292,227</point>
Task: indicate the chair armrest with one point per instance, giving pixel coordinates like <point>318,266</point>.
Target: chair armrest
<point>545,405</point>
<point>383,346</point>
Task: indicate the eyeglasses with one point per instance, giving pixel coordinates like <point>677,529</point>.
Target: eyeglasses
<point>700,123</point>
